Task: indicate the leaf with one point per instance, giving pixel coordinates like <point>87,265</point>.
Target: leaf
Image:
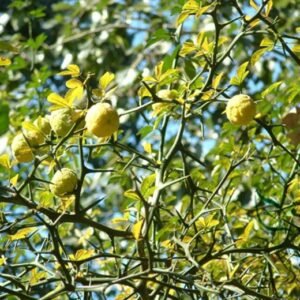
<point>296,48</point>
<point>29,126</point>
<point>106,79</point>
<point>187,48</point>
<point>147,185</point>
<point>147,147</point>
<point>202,10</point>
<point>159,35</point>
<point>254,5</point>
<point>21,234</point>
<point>36,276</point>
<point>271,88</point>
<point>73,83</point>
<point>57,100</point>
<point>216,80</point>
<point>182,17</point>
<point>4,117</point>
<point>207,222</point>
<point>269,7</point>
<point>266,42</point>
<point>241,74</point>
<point>72,70</point>
<point>14,180</point>
<point>82,254</point>
<point>131,194</point>
<point>2,260</point>
<point>4,161</point>
<point>257,55</point>
<point>4,61</point>
<point>136,229</point>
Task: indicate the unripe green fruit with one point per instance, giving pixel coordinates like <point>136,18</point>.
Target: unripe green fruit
<point>63,182</point>
<point>240,109</point>
<point>61,121</point>
<point>102,120</point>
<point>43,124</point>
<point>21,150</point>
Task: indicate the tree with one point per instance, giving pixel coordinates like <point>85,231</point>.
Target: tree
<point>176,202</point>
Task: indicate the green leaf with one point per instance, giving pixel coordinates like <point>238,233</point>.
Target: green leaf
<point>241,74</point>
<point>159,35</point>
<point>131,194</point>
<point>4,118</point>
<point>147,188</point>
<point>5,46</point>
<point>271,88</point>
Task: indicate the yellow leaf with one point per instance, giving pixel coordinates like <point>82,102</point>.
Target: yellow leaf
<point>296,48</point>
<point>119,220</point>
<point>73,94</point>
<point>182,17</point>
<point>257,55</point>
<point>57,100</point>
<point>131,194</point>
<point>82,254</point>
<point>158,69</point>
<point>144,92</point>
<point>136,229</point>
<point>36,276</point>
<point>106,79</point>
<point>21,234</point>
<point>217,80</point>
<point>4,161</point>
<point>73,83</point>
<point>266,42</point>
<point>147,147</point>
<point>202,10</point>
<point>254,5</point>
<point>269,7</point>
<point>14,180</point>
<point>2,260</point>
<point>4,61</point>
<point>66,201</point>
<point>191,5</point>
<point>30,126</point>
<point>207,222</point>
<point>187,48</point>
<point>167,244</point>
<point>72,70</point>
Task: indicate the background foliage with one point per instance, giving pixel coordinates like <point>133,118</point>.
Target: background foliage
<point>181,204</point>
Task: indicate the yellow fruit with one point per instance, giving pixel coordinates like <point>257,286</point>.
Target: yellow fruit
<point>102,120</point>
<point>61,121</point>
<point>21,150</point>
<point>292,123</point>
<point>43,124</point>
<point>34,138</point>
<point>240,109</point>
<point>63,182</point>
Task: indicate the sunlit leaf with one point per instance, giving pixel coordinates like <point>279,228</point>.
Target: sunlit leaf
<point>14,180</point>
<point>131,194</point>
<point>36,276</point>
<point>271,88</point>
<point>5,161</point>
<point>106,79</point>
<point>136,229</point>
<point>57,100</point>
<point>21,233</point>
<point>82,254</point>
<point>147,147</point>
<point>241,74</point>
<point>72,70</point>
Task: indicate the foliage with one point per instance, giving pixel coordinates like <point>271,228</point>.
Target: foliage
<point>178,203</point>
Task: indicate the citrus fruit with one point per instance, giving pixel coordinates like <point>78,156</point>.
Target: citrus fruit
<point>102,120</point>
<point>63,182</point>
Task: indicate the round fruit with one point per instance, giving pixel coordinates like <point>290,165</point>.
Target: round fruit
<point>240,109</point>
<point>102,120</point>
<point>21,150</point>
<point>63,182</point>
<point>43,124</point>
<point>61,121</point>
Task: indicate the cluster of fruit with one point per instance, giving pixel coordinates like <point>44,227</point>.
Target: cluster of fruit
<point>101,120</point>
